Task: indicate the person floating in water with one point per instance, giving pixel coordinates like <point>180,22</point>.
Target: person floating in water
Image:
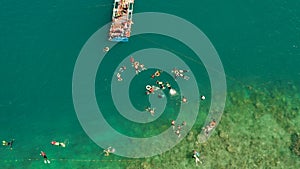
<point>8,143</point>
<point>108,151</point>
<point>55,143</point>
<point>184,99</point>
<point>173,124</point>
<point>106,49</point>
<point>43,154</point>
<point>150,110</point>
<point>119,77</point>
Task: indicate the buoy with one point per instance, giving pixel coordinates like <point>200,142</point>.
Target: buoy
<point>148,87</point>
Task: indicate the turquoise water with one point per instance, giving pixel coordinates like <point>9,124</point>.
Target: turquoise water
<point>258,43</point>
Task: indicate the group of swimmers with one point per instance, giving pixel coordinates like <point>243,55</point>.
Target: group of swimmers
<point>159,87</point>
<point>137,65</point>
<point>178,73</point>
<point>54,143</point>
<point>179,127</point>
<point>42,153</point>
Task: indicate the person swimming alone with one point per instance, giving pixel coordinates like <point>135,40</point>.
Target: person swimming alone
<point>8,143</point>
<point>43,154</point>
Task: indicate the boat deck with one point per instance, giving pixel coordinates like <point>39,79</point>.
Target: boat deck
<point>121,21</point>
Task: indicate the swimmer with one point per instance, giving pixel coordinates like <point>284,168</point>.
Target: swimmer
<point>55,143</point>
<point>183,71</point>
<point>180,73</point>
<point>122,69</point>
<point>119,77</point>
<point>177,132</point>
<point>8,143</point>
<point>151,111</point>
<point>108,151</point>
<point>161,84</point>
<point>142,66</point>
<point>184,99</point>
<point>160,95</point>
<point>213,123</point>
<point>131,59</point>
<point>136,67</point>
<point>186,77</point>
<point>150,89</point>
<point>43,154</point>
<point>168,85</point>
<point>196,155</point>
<point>209,127</point>
<point>173,124</point>
<point>106,49</point>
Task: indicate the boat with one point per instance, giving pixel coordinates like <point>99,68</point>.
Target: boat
<point>120,28</point>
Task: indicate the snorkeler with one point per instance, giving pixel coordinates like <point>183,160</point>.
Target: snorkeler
<point>196,155</point>
<point>184,99</point>
<point>43,154</point>
<point>106,49</point>
<point>161,84</point>
<point>142,66</point>
<point>151,111</point>
<point>173,124</point>
<point>55,143</point>
<point>119,77</point>
<point>180,73</point>
<point>177,132</point>
<point>108,151</point>
<point>8,143</point>
<point>168,85</point>
<point>122,69</point>
<point>136,67</point>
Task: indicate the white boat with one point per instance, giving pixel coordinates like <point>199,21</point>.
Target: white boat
<point>121,21</point>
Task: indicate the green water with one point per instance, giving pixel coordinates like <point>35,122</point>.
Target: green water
<point>257,41</point>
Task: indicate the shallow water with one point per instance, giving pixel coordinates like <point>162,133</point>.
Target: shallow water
<point>258,44</point>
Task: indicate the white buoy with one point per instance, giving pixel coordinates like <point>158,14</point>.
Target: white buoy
<point>202,97</point>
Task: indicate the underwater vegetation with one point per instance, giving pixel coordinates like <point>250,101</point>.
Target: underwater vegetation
<point>295,143</point>
<point>259,129</point>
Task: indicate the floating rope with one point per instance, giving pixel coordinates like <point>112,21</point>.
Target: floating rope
<point>64,159</point>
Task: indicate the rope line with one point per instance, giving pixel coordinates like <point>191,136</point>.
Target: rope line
<point>64,159</point>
